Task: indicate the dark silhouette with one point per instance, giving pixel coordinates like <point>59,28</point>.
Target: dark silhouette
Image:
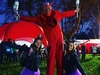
<point>83,51</point>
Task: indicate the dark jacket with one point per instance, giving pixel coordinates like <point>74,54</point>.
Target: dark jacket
<point>71,63</point>
<point>34,60</point>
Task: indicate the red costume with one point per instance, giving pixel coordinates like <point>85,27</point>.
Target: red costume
<point>53,33</point>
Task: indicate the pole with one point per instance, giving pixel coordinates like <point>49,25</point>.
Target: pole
<point>77,6</point>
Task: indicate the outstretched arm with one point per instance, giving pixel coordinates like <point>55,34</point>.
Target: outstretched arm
<point>69,13</point>
<point>26,18</point>
<point>29,19</point>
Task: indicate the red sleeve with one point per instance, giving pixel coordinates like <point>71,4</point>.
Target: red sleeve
<point>67,13</point>
<point>29,19</point>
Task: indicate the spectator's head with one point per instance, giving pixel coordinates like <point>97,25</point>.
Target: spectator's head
<point>9,40</point>
<point>13,41</point>
<point>47,8</point>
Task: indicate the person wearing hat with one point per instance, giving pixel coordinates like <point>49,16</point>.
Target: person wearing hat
<point>71,64</point>
<point>49,20</point>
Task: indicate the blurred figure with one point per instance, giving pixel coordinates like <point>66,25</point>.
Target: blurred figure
<point>15,54</point>
<point>44,52</point>
<point>94,50</point>
<point>2,51</point>
<point>79,50</point>
<point>8,51</point>
<point>83,51</point>
<point>98,50</point>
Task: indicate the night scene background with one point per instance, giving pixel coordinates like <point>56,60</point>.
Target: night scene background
<point>86,26</point>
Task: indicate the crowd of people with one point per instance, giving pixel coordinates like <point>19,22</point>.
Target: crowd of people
<point>70,59</point>
<point>8,52</point>
<point>67,62</point>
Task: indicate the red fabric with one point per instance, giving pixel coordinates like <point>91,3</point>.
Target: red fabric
<point>3,29</point>
<point>88,45</point>
<point>21,31</point>
<point>54,37</point>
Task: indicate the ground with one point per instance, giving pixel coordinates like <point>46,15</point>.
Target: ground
<point>90,65</point>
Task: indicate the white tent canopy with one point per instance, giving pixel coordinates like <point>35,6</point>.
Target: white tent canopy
<point>96,41</point>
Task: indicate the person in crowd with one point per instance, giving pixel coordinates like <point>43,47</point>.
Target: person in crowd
<point>71,64</point>
<point>9,53</point>
<point>44,54</point>
<point>83,51</point>
<point>15,55</point>
<point>94,50</point>
<point>49,20</point>
<point>78,50</point>
<point>98,50</point>
<point>2,51</point>
<point>34,59</point>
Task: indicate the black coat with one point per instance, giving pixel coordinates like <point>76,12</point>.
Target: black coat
<point>71,63</point>
<point>2,51</point>
<point>34,60</point>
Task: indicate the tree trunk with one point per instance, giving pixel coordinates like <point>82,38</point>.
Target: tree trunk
<point>99,26</point>
<point>98,19</point>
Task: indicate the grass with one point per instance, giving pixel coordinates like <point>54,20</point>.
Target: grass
<point>90,65</point>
